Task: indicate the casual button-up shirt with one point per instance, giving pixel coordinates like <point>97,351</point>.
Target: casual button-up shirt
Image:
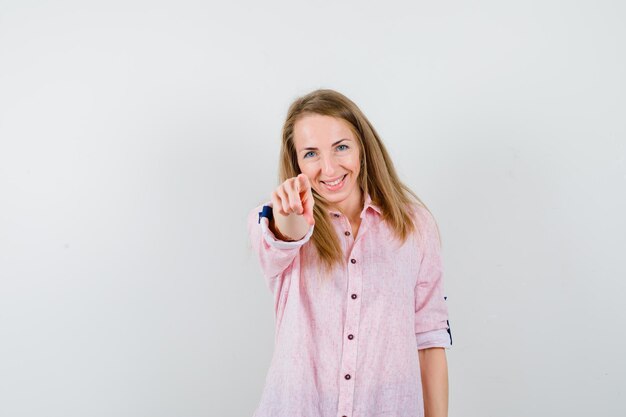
<point>346,345</point>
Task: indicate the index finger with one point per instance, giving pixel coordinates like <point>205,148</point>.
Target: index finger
<point>303,182</point>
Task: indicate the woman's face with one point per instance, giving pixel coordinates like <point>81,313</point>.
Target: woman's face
<point>328,150</point>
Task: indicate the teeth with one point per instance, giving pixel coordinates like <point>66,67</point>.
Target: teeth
<point>335,182</point>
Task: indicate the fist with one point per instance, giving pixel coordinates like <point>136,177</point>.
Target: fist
<point>294,196</point>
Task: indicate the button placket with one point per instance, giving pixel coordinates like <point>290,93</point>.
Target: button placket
<point>348,243</point>
<point>350,351</point>
<point>347,232</point>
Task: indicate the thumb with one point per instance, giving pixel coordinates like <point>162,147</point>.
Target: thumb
<point>306,197</point>
<point>307,204</point>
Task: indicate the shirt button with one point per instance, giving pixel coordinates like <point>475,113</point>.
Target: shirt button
<point>353,260</point>
<point>350,337</point>
<point>346,233</point>
<point>353,296</point>
<point>347,376</point>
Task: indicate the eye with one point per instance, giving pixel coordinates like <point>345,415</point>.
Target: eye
<point>342,145</point>
<point>307,154</point>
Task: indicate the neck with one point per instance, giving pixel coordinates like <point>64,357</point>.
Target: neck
<point>352,206</point>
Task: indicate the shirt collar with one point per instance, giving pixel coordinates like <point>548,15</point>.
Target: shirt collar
<point>367,203</point>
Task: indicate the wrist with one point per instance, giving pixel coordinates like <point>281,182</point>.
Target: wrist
<point>277,233</point>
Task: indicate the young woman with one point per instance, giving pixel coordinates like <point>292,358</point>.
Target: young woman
<point>352,258</point>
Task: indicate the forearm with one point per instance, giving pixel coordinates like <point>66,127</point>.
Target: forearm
<point>434,372</point>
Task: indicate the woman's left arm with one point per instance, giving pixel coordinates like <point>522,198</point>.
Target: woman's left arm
<point>434,372</point>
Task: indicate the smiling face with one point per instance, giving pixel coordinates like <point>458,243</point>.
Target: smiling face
<point>328,150</point>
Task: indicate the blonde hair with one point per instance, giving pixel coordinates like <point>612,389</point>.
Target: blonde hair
<point>377,175</point>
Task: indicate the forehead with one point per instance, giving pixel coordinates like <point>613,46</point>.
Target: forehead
<point>320,129</point>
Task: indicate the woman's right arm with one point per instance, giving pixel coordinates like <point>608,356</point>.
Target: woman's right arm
<point>272,243</point>
<point>293,208</point>
<point>284,227</point>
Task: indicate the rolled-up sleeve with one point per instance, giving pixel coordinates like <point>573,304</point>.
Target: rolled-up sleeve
<point>432,328</point>
<point>274,255</point>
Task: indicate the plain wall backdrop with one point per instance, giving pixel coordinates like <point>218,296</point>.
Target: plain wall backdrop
<point>135,137</point>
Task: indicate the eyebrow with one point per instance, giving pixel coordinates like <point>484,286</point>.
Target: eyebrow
<point>314,149</point>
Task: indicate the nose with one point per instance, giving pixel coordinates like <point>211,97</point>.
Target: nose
<point>329,166</point>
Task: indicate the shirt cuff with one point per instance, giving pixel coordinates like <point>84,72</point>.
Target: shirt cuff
<point>271,239</point>
<point>433,338</point>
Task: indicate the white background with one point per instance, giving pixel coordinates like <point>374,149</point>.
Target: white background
<point>135,137</point>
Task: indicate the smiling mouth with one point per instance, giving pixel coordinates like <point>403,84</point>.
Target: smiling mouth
<point>341,179</point>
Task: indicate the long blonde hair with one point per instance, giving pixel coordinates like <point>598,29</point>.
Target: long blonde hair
<point>377,175</point>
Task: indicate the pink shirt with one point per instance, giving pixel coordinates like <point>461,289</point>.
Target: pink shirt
<point>349,347</point>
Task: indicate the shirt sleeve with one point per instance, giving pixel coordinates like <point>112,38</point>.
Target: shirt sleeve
<point>432,328</point>
<point>274,255</point>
